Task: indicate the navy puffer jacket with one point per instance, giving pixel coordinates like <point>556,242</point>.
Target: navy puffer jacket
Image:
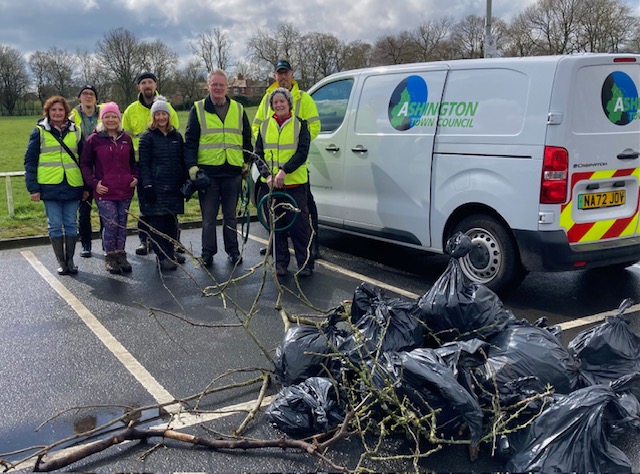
<point>161,165</point>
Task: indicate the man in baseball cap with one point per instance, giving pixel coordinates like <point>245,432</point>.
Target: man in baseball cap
<point>283,65</point>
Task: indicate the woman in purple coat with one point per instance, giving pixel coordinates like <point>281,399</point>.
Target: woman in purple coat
<point>109,168</point>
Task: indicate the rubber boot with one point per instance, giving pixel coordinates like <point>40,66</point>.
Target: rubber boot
<point>111,263</point>
<point>58,249</point>
<point>121,260</point>
<point>70,250</point>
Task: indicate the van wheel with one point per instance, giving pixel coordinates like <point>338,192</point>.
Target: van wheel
<point>494,260</point>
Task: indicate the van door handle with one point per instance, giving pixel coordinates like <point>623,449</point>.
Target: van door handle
<point>332,148</point>
<point>359,149</point>
<point>628,154</point>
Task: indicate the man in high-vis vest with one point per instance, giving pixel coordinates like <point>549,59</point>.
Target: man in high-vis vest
<point>135,120</point>
<point>218,143</point>
<point>86,116</point>
<point>303,107</point>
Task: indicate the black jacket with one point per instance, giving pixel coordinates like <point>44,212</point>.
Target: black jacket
<point>161,165</point>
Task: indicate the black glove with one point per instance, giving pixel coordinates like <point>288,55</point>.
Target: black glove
<point>150,194</point>
<point>202,181</point>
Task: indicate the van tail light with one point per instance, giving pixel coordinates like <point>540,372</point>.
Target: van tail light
<point>555,175</point>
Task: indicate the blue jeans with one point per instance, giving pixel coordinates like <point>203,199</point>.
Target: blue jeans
<point>114,215</point>
<point>62,218</point>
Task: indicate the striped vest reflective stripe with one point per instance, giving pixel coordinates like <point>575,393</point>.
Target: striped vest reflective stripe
<point>54,161</point>
<point>280,144</point>
<point>220,142</point>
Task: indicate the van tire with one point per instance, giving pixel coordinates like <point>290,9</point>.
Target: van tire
<point>495,260</point>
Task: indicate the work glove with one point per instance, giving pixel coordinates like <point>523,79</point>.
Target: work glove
<point>192,172</point>
<point>202,181</point>
<point>150,194</point>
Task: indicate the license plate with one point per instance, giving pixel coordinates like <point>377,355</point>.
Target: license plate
<point>599,200</point>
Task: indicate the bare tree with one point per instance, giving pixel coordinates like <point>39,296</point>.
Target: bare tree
<point>283,43</point>
<point>468,37</point>
<point>555,25</point>
<point>39,65</point>
<point>394,49</point>
<point>606,25</point>
<point>429,38</point>
<point>249,69</point>
<point>122,55</point>
<point>13,77</point>
<point>357,54</point>
<point>319,55</point>
<point>61,68</point>
<point>162,61</point>
<point>213,49</point>
<point>518,39</point>
<point>189,82</point>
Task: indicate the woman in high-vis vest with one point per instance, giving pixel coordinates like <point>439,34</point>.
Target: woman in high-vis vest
<point>53,176</point>
<point>282,147</point>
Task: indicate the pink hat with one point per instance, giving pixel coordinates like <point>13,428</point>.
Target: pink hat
<point>109,107</point>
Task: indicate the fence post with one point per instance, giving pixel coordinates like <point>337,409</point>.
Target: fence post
<point>7,178</point>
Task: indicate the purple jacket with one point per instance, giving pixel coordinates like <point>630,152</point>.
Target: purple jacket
<point>110,161</point>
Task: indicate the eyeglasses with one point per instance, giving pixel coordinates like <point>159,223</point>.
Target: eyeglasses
<point>216,84</point>
<point>88,94</point>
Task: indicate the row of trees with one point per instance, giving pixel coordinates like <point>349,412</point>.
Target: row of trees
<point>545,27</point>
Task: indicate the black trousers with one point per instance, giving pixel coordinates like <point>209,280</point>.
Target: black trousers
<point>166,224</point>
<point>223,192</point>
<point>84,222</point>
<point>299,232</point>
<point>313,214</point>
<point>143,229</point>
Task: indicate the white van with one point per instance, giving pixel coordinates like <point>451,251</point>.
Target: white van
<point>536,159</point>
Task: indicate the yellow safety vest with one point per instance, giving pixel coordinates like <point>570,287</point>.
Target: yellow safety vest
<point>220,142</point>
<point>54,162</point>
<point>280,144</point>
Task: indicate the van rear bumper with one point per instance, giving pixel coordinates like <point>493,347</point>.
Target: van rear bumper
<point>550,251</point>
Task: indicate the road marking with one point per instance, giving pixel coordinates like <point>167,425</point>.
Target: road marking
<point>157,391</point>
<point>574,323</point>
<point>350,274</point>
<point>595,318</point>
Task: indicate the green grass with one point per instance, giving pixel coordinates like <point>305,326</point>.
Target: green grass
<point>29,218</point>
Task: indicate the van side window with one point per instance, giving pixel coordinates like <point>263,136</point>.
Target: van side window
<point>332,100</point>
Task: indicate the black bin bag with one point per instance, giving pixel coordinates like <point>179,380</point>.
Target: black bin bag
<point>425,379</point>
<point>390,324</point>
<point>571,435</point>
<point>534,357</point>
<point>308,408</point>
<point>304,351</point>
<point>609,350</point>
<point>454,309</point>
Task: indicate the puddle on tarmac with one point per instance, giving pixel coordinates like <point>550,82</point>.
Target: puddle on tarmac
<point>73,424</point>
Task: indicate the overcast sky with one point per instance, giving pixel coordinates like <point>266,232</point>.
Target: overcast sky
<point>31,25</point>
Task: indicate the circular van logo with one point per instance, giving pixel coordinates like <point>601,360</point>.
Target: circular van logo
<point>406,103</point>
<point>619,98</point>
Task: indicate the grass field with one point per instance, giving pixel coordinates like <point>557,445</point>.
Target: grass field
<point>29,218</point>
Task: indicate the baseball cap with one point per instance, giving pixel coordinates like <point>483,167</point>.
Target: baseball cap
<point>283,64</point>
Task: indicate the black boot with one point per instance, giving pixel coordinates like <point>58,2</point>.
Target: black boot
<point>58,249</point>
<point>70,250</point>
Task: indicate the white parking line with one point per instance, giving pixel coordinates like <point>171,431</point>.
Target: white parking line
<point>157,391</point>
<point>574,323</point>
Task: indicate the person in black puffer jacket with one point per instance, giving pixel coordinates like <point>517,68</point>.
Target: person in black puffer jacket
<point>162,172</point>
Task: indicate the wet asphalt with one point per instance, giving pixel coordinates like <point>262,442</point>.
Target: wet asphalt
<point>181,330</point>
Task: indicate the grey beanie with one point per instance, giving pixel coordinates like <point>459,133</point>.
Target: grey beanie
<point>160,104</point>
<point>285,93</point>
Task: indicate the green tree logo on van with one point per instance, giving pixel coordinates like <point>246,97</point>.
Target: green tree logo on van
<point>620,98</point>
<point>402,113</point>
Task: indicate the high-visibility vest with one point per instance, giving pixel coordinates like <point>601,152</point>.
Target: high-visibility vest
<point>76,118</point>
<point>54,161</point>
<point>220,141</point>
<point>280,144</point>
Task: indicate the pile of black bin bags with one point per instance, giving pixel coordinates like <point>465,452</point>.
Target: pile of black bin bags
<point>452,351</point>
